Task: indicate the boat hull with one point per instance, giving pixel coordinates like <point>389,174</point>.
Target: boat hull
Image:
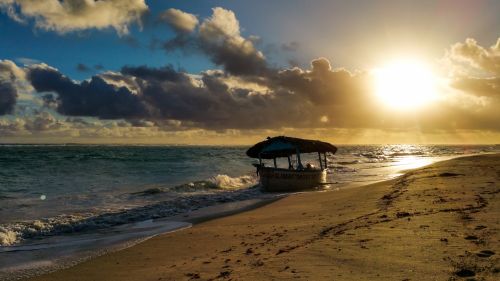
<point>276,179</point>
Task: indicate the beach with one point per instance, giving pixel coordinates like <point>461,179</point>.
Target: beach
<point>439,222</point>
<point>237,140</point>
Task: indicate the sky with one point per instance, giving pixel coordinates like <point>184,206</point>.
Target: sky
<point>234,72</point>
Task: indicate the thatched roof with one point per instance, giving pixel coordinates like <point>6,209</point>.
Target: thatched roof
<point>285,146</point>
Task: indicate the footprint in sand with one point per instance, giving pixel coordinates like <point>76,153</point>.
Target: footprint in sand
<point>470,237</point>
<point>485,254</point>
<point>465,273</point>
<point>224,274</point>
<point>448,174</point>
<point>193,275</point>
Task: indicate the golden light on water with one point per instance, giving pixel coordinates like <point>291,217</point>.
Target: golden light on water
<point>412,162</point>
<point>405,84</point>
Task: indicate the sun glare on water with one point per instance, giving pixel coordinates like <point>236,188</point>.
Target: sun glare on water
<point>405,84</point>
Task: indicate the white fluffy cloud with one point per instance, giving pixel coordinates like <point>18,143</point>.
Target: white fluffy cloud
<point>476,68</point>
<point>221,24</point>
<point>482,58</point>
<point>72,15</point>
<point>219,37</point>
<point>179,20</point>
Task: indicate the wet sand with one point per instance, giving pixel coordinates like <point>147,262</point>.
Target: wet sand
<point>440,222</point>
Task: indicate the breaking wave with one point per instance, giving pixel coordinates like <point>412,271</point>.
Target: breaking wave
<point>224,189</point>
<point>218,182</point>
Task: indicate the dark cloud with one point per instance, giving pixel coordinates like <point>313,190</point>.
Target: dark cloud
<point>215,105</point>
<point>318,97</point>
<point>186,43</point>
<point>166,73</point>
<point>9,74</point>
<point>214,100</point>
<point>8,96</point>
<point>322,85</point>
<point>95,97</point>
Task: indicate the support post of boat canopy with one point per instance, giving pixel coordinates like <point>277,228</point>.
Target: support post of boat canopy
<point>320,161</point>
<point>289,162</point>
<point>299,163</point>
<point>275,166</point>
<point>326,163</point>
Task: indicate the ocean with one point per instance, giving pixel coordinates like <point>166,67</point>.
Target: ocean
<point>60,204</point>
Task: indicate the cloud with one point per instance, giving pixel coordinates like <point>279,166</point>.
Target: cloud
<point>11,127</point>
<point>94,97</point>
<point>10,71</point>
<point>74,15</point>
<point>480,76</point>
<point>324,85</point>
<point>180,21</point>
<point>9,76</point>
<point>166,73</point>
<point>43,121</point>
<point>213,100</point>
<point>220,39</point>
<point>146,102</point>
<point>8,96</point>
<point>27,61</point>
<point>487,87</point>
<point>475,73</point>
<point>484,59</point>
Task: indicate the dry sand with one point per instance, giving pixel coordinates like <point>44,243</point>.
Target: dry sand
<point>439,222</point>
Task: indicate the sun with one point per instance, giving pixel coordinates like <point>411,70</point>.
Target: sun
<point>405,84</point>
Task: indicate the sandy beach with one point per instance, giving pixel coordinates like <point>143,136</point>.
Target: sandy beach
<point>440,222</point>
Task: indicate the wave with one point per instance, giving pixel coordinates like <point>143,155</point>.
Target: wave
<point>7,236</point>
<point>228,189</point>
<point>227,182</point>
<point>218,182</point>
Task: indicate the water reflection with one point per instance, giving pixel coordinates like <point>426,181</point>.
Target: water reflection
<point>411,162</point>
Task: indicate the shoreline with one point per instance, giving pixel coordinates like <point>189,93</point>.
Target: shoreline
<point>213,222</point>
<point>166,225</point>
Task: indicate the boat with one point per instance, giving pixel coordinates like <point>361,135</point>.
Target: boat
<point>296,176</point>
